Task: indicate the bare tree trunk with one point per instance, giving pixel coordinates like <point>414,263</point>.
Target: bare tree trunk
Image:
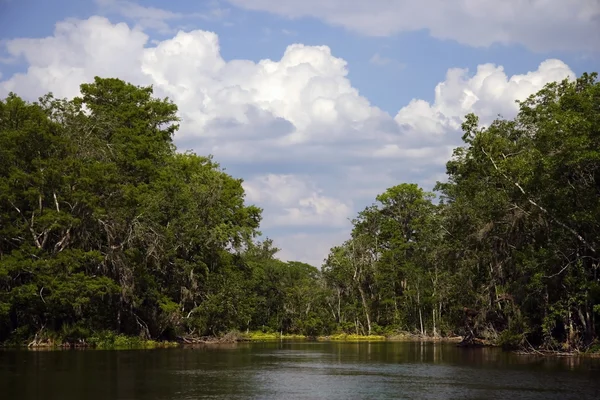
<point>587,326</point>
<point>420,313</point>
<point>119,319</point>
<point>590,320</point>
<point>440,313</point>
<point>433,315</point>
<point>365,308</point>
<point>571,335</point>
<point>357,279</point>
<point>339,307</point>
<point>433,311</point>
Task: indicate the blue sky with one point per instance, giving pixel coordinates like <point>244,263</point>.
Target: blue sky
<point>370,95</point>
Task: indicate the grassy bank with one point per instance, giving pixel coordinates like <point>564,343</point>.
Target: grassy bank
<point>392,337</point>
<point>108,340</point>
<point>112,341</point>
<point>345,337</point>
<point>409,337</point>
<point>257,336</point>
<point>105,340</point>
<point>260,336</point>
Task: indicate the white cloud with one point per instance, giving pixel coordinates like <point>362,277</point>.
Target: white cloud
<point>147,17</point>
<point>382,61</point>
<point>434,155</point>
<point>378,59</point>
<point>311,149</point>
<point>156,18</point>
<point>487,93</point>
<point>540,25</point>
<point>76,52</point>
<point>311,248</point>
<point>307,88</point>
<point>296,201</point>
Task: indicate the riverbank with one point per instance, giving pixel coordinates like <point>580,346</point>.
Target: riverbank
<point>112,341</point>
<point>338,337</point>
<point>101,341</point>
<point>109,340</point>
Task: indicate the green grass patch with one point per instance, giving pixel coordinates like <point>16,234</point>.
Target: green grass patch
<point>104,340</point>
<point>344,337</point>
<point>112,341</point>
<point>258,336</point>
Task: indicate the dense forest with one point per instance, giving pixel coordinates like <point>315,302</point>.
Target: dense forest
<point>105,227</point>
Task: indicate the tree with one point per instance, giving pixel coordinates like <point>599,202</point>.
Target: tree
<point>526,192</point>
<point>103,224</point>
<point>510,253</point>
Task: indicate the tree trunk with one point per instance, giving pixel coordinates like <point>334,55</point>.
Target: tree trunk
<point>440,313</point>
<point>365,308</point>
<point>571,335</point>
<point>587,327</point>
<point>119,319</point>
<point>433,316</point>
<point>339,307</point>
<point>420,313</point>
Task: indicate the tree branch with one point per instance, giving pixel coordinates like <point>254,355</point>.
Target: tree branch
<point>33,235</point>
<point>56,202</point>
<point>539,207</point>
<point>42,297</point>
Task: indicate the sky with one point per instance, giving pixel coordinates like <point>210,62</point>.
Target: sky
<point>319,105</point>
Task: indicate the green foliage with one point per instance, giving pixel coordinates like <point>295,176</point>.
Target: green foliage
<point>109,236</point>
<point>510,340</point>
<point>258,336</point>
<point>104,227</point>
<point>108,340</point>
<point>509,253</point>
<point>95,213</point>
<point>74,333</point>
<point>343,337</point>
<point>594,348</point>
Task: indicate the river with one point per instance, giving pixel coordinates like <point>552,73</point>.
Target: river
<point>296,370</point>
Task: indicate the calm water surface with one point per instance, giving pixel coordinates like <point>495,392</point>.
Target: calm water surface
<point>295,371</point>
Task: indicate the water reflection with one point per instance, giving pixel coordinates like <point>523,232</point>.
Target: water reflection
<point>296,371</point>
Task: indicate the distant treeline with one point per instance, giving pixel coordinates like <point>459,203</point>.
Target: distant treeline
<point>105,227</point>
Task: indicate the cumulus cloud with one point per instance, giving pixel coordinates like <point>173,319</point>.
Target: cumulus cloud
<point>311,149</point>
<point>78,50</point>
<point>296,201</point>
<point>488,93</point>
<point>540,25</point>
<point>311,248</point>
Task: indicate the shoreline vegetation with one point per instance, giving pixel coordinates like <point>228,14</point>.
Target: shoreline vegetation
<point>112,238</point>
<point>112,341</point>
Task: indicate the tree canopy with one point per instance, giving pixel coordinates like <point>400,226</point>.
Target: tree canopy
<point>510,251</point>
<point>105,226</point>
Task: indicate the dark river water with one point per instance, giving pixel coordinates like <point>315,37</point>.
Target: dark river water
<point>298,370</point>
